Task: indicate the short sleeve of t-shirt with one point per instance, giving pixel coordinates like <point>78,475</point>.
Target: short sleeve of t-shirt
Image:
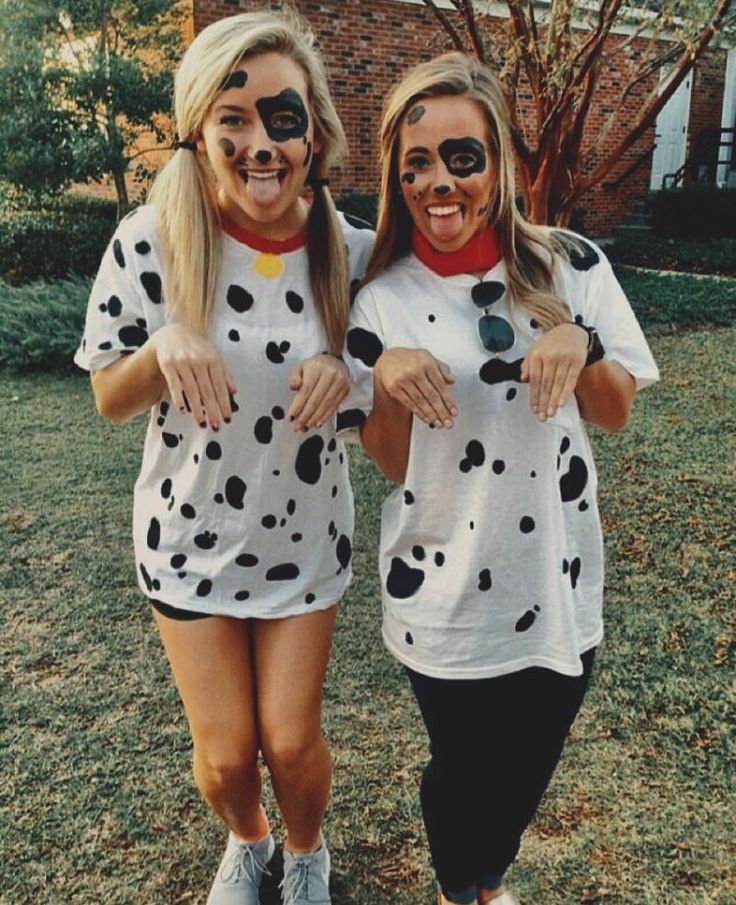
<point>606,308</point>
<point>125,303</point>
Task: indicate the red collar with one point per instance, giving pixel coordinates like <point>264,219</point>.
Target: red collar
<point>480,253</point>
<point>268,246</point>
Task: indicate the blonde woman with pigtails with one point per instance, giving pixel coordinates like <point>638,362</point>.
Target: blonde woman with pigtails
<point>480,345</point>
<point>220,308</point>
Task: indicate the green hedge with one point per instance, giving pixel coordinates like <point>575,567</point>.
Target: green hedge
<point>41,324</point>
<point>711,256</point>
<point>698,212</point>
<point>51,245</point>
<point>359,204</point>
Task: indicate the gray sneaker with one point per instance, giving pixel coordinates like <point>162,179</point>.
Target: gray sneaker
<point>307,878</point>
<point>241,869</point>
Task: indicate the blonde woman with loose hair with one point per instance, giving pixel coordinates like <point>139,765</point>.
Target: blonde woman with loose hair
<point>221,308</point>
<point>480,345</point>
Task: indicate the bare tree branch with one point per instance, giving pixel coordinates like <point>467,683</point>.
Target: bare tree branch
<point>446,24</point>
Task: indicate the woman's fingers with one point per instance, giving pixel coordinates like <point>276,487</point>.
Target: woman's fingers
<point>421,383</point>
<point>322,385</point>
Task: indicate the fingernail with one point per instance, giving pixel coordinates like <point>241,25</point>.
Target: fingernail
<point>453,411</point>
<point>292,417</point>
<point>305,429</point>
<point>203,424</point>
<point>448,423</point>
<point>227,420</point>
<point>215,427</point>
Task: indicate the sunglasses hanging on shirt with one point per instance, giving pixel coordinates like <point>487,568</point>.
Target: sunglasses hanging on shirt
<point>496,333</point>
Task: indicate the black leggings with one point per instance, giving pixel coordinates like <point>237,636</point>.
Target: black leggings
<point>173,612</point>
<point>494,745</point>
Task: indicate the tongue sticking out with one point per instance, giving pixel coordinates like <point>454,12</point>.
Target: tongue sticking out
<point>263,191</point>
<point>447,226</point>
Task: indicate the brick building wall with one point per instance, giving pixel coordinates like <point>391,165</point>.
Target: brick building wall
<point>368,46</point>
<point>706,105</point>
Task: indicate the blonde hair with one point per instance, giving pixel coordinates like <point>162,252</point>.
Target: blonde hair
<point>186,214</point>
<point>528,250</point>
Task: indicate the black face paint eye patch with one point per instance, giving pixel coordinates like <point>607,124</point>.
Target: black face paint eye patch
<point>415,114</point>
<point>463,156</point>
<point>284,116</point>
<point>228,148</point>
<point>234,80</point>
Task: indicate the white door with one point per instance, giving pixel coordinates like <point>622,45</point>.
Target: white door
<point>671,135</point>
<point>727,166</point>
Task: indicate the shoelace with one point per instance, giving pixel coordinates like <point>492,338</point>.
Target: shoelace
<point>244,863</point>
<point>296,882</point>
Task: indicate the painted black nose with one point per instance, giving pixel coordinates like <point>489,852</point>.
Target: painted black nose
<point>441,190</point>
<point>263,156</point>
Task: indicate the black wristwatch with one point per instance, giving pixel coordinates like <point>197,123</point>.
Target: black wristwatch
<point>595,346</point>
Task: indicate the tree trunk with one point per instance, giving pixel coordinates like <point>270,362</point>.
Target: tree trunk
<point>121,190</point>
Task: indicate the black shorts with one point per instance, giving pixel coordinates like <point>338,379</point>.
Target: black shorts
<point>173,612</point>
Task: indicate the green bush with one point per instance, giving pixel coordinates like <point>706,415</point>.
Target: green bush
<point>359,204</point>
<point>698,212</point>
<point>67,237</point>
<point>712,256</point>
<point>41,324</point>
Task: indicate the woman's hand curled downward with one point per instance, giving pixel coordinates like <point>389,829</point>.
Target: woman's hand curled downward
<point>195,374</point>
<point>320,383</point>
<point>552,368</point>
<point>420,382</point>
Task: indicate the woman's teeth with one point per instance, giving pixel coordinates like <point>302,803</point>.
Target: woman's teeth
<point>445,210</point>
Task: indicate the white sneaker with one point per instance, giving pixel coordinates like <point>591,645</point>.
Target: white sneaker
<point>307,877</point>
<point>238,877</point>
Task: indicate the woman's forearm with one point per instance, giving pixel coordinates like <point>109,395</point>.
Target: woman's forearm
<point>130,385</point>
<point>605,393</point>
<point>386,434</point>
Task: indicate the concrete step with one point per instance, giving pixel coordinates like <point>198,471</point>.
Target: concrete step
<point>625,231</point>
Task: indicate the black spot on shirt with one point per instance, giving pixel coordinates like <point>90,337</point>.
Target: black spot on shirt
<point>403,581</point>
<point>117,250</point>
<point>213,450</point>
<point>526,621</point>
<point>263,430</point>
<point>364,345</point>
<point>204,587</point>
<point>275,352</point>
<point>349,418</point>
<point>496,370</point>
<point>152,284</point>
<point>142,247</point>
<point>484,580</point>
<point>246,560</point>
<point>574,481</point>
<point>235,491</point>
<point>239,299</point>
<point>308,463</point>
<point>133,336</point>
<point>343,550</point>
<point>206,540</point>
<point>294,301</point>
<point>286,571</point>
<point>154,534</point>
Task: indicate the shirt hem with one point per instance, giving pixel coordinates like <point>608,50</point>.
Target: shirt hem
<point>500,669</point>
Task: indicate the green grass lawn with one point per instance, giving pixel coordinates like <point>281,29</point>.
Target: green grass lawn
<point>97,804</point>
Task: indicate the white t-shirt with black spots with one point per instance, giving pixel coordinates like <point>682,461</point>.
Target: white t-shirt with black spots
<point>491,554</point>
<point>254,520</point>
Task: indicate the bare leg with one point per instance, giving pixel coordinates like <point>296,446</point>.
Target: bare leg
<point>291,657</point>
<point>213,669</point>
